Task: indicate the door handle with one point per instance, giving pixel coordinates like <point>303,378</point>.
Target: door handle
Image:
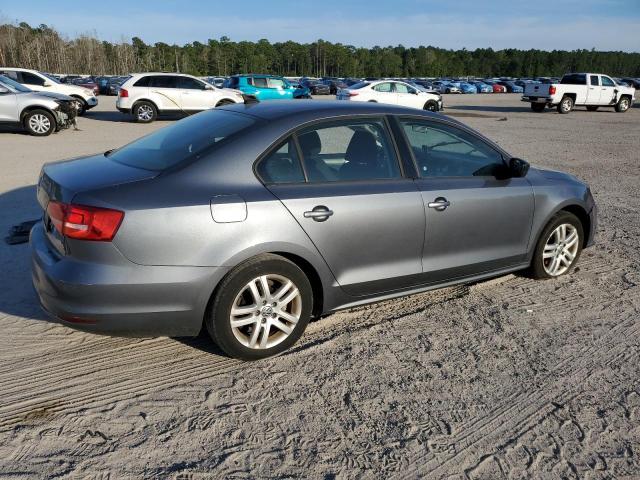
<point>439,204</point>
<point>319,213</point>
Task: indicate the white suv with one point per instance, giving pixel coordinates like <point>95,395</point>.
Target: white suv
<point>40,82</point>
<point>147,95</point>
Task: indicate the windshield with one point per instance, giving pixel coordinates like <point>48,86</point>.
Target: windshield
<point>50,77</point>
<point>187,139</point>
<point>12,84</point>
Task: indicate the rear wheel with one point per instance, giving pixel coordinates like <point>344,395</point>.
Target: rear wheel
<point>39,123</point>
<point>538,107</point>
<point>145,112</point>
<point>565,105</point>
<point>559,246</point>
<point>623,105</point>
<point>592,108</point>
<point>261,308</point>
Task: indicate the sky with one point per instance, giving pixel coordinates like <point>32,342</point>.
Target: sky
<point>524,24</point>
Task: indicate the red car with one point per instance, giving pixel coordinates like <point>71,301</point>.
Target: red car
<point>496,88</point>
<point>87,83</point>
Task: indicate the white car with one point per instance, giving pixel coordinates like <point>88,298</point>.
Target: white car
<point>40,82</point>
<point>393,92</point>
<point>40,113</point>
<point>592,90</point>
<point>147,95</point>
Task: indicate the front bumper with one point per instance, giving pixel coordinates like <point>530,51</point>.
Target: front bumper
<point>120,298</point>
<point>91,102</point>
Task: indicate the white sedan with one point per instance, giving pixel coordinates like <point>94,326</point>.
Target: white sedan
<point>392,92</point>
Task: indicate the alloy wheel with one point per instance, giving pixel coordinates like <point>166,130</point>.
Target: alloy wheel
<point>266,311</point>
<point>39,123</point>
<point>145,113</point>
<point>560,250</point>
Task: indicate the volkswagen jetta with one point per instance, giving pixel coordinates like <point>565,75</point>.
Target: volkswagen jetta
<point>252,219</point>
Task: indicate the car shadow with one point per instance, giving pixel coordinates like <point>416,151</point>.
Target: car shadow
<point>118,117</point>
<point>18,297</point>
<point>487,108</point>
<point>15,129</point>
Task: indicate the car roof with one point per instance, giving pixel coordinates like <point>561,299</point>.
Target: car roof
<point>306,110</point>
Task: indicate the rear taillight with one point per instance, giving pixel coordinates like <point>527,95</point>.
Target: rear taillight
<point>83,222</point>
<point>353,94</point>
<point>123,93</point>
<point>552,89</point>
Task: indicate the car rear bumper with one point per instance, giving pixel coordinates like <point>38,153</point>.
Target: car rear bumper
<point>125,299</point>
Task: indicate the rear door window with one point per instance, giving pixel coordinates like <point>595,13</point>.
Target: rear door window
<point>594,80</point>
<point>348,150</point>
<point>163,81</point>
<point>10,74</point>
<point>260,82</point>
<point>276,83</point>
<point>143,82</point>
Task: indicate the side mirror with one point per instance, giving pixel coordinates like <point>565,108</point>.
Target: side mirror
<point>518,167</point>
<point>208,87</point>
<point>3,90</point>
<point>47,84</point>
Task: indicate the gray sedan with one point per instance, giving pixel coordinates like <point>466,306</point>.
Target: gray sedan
<point>252,219</point>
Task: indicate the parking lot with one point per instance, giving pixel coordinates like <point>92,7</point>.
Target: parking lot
<point>498,379</point>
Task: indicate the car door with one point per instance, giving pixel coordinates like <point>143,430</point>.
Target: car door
<point>406,96</point>
<point>607,91</point>
<point>365,218</point>
<point>593,92</point>
<point>194,96</point>
<point>164,92</point>
<point>476,220</point>
<point>384,93</point>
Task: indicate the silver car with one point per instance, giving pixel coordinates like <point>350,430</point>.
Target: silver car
<point>251,219</point>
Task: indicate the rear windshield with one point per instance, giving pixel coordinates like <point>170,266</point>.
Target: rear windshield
<point>186,139</point>
<point>574,79</point>
<point>358,85</point>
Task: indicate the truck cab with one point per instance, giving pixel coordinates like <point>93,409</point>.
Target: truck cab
<point>592,90</point>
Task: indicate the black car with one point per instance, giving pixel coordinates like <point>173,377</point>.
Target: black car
<point>315,87</point>
<point>334,85</point>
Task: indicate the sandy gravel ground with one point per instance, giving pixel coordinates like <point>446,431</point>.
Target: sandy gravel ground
<point>509,378</point>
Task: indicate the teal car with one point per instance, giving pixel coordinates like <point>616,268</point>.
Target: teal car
<point>266,87</point>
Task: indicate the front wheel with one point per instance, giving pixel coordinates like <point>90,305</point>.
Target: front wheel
<point>538,107</point>
<point>565,105</point>
<point>82,105</point>
<point>261,308</point>
<point>431,106</point>
<point>623,105</point>
<point>559,246</point>
<point>39,123</point>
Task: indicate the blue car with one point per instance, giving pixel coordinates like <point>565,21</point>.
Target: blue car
<point>466,87</point>
<point>266,87</point>
<point>482,87</point>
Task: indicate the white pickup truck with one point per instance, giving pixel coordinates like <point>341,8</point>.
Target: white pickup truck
<point>592,90</point>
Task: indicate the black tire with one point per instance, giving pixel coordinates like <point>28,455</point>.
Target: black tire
<point>39,123</point>
<point>431,106</point>
<point>83,106</point>
<point>623,104</point>
<point>592,108</point>
<point>538,107</point>
<point>565,105</point>
<point>218,321</point>
<point>144,112</point>
<point>224,102</point>
<point>537,269</point>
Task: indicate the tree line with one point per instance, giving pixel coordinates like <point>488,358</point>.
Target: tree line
<point>43,48</point>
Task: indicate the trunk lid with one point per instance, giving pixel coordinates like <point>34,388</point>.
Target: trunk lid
<point>61,181</point>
